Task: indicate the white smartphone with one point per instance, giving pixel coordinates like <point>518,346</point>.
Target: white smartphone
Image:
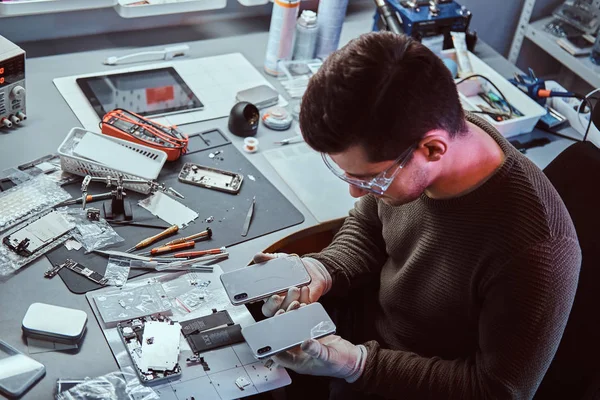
<point>283,332</point>
<point>259,281</point>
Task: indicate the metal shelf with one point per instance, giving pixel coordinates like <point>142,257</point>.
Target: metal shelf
<point>131,8</point>
<point>582,66</point>
<point>31,7</point>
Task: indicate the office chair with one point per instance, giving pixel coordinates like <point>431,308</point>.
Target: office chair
<point>575,371</point>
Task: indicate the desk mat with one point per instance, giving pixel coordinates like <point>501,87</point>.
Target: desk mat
<point>272,212</point>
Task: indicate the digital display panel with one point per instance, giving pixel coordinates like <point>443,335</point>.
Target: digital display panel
<point>151,92</point>
<point>12,70</point>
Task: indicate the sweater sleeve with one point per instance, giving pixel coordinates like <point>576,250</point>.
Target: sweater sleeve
<point>358,249</point>
<point>524,308</point>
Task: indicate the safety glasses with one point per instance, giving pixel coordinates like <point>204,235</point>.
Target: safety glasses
<point>379,183</point>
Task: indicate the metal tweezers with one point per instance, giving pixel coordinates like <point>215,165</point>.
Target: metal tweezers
<point>248,218</point>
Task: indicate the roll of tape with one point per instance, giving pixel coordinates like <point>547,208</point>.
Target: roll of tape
<point>250,145</point>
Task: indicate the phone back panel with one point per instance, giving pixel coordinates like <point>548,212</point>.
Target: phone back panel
<point>262,280</point>
<point>274,335</point>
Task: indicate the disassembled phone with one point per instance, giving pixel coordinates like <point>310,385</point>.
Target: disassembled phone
<point>77,268</point>
<point>153,345</point>
<point>211,178</point>
<point>32,237</point>
<point>277,334</point>
<point>18,372</point>
<point>259,281</point>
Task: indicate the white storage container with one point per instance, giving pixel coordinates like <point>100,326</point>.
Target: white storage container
<point>134,9</point>
<point>531,110</point>
<point>82,166</point>
<point>31,7</point>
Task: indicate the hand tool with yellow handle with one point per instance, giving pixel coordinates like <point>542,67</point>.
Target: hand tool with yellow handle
<point>191,254</point>
<point>146,242</point>
<point>168,248</point>
<point>204,235</point>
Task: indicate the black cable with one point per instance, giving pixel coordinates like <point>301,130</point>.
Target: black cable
<point>510,111</point>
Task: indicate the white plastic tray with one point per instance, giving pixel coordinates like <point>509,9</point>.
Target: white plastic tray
<point>163,7</point>
<point>532,111</point>
<point>82,166</point>
<point>29,7</point>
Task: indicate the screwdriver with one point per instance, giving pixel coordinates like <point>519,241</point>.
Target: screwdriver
<point>146,242</point>
<point>168,248</point>
<point>88,199</point>
<point>191,254</point>
<point>205,234</point>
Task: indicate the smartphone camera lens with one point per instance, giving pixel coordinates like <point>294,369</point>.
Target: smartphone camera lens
<point>264,350</point>
<point>240,296</point>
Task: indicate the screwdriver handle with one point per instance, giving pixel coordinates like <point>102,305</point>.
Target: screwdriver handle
<point>204,234</point>
<point>173,247</point>
<point>190,254</point>
<point>148,241</point>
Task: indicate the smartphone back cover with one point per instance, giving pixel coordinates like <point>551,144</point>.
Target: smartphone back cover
<point>262,280</point>
<point>276,334</point>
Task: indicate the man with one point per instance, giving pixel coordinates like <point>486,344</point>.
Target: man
<point>474,257</point>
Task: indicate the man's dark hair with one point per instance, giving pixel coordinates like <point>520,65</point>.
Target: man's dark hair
<point>382,91</point>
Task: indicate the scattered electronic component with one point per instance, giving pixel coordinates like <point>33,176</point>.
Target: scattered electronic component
<point>153,345</point>
<point>277,118</point>
<point>242,382</point>
<point>269,363</point>
<point>211,178</point>
<point>39,233</point>
<point>130,126</point>
<point>75,267</point>
<point>93,214</point>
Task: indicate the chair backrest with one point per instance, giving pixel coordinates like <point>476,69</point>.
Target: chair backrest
<point>575,174</point>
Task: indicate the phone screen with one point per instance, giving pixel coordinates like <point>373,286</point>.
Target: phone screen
<point>18,372</point>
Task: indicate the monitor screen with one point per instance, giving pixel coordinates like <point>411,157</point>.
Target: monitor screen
<point>150,92</point>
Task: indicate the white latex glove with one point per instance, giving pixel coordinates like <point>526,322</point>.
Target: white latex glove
<point>319,285</point>
<point>329,356</point>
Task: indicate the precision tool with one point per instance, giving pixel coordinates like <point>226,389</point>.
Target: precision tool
<point>132,223</point>
<point>88,199</point>
<point>146,242</point>
<point>290,140</point>
<point>248,218</point>
<point>204,235</point>
<point>198,253</point>
<point>169,248</point>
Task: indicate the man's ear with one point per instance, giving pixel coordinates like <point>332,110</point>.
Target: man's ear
<point>434,147</point>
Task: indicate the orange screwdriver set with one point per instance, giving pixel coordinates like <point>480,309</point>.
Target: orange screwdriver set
<point>130,126</point>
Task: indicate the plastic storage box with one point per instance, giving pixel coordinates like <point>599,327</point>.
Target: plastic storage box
<point>54,323</point>
<point>531,110</point>
<point>82,166</point>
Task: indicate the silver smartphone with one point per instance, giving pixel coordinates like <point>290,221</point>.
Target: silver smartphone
<point>259,281</point>
<point>283,332</point>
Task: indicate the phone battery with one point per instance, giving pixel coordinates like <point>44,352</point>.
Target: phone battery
<point>211,321</point>
<point>215,338</point>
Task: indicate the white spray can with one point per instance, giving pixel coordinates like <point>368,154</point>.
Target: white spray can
<point>306,36</point>
<point>331,19</point>
<point>281,34</point>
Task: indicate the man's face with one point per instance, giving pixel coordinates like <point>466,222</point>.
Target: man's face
<point>408,185</point>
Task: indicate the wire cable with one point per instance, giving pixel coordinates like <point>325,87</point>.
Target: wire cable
<point>510,108</point>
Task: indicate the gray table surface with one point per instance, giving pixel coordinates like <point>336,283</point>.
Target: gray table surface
<point>50,119</point>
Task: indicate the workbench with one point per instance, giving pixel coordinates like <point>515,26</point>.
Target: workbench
<point>50,118</point>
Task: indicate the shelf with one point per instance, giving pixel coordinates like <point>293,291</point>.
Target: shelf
<point>167,7</point>
<point>582,66</point>
<point>31,7</point>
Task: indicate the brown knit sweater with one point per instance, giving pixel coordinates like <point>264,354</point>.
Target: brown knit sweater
<point>474,291</point>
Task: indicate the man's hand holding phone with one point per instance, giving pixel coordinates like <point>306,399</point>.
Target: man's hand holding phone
<point>319,285</point>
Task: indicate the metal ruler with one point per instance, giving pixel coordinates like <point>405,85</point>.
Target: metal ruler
<point>517,42</point>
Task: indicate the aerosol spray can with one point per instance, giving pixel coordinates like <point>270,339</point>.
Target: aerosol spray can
<point>306,36</point>
<point>331,18</point>
<point>281,34</point>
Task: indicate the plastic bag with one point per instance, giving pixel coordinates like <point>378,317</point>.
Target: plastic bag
<point>92,235</point>
<point>192,299</point>
<point>117,271</point>
<point>28,199</point>
<point>117,385</point>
